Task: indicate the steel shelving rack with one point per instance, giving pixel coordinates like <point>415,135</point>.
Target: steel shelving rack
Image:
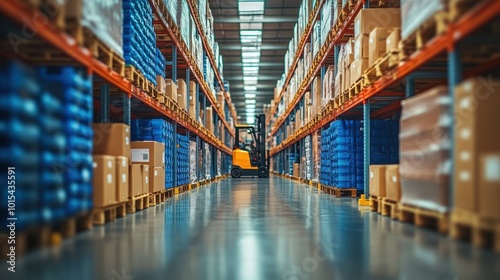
<point>119,99</point>
<point>382,99</point>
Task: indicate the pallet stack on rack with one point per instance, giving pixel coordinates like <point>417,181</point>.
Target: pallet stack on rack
<point>70,171</point>
<point>382,55</point>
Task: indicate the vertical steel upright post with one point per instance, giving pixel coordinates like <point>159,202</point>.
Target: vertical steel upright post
<point>126,109</point>
<point>366,145</point>
<point>174,63</point>
<point>410,86</point>
<point>454,77</point>
<point>105,103</point>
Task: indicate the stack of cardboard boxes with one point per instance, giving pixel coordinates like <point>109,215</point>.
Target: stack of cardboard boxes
<point>193,97</point>
<point>328,86</point>
<point>385,182</point>
<point>111,163</point>
<point>425,150</point>
<point>209,121</point>
<point>182,94</point>
<point>148,167</point>
<point>171,89</point>
<point>477,148</point>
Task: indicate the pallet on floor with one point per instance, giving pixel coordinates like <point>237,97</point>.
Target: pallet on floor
<point>102,215</point>
<point>434,26</point>
<point>45,235</point>
<point>376,203</point>
<point>480,231</point>
<point>421,217</point>
<point>157,197</point>
<point>390,208</point>
<point>352,192</point>
<point>136,203</point>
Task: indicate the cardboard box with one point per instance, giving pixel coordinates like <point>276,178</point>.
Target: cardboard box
<point>477,105</point>
<point>489,185</point>
<point>361,47</point>
<point>392,42</point>
<point>377,43</point>
<point>146,179</point>
<point>209,119</point>
<point>158,175</point>
<point>111,139</point>
<point>358,67</point>
<point>136,180</point>
<point>369,19</point>
<point>192,111</point>
<point>148,152</point>
<point>161,86</point>
<point>182,94</point>
<point>122,179</point>
<point>192,93</point>
<point>171,89</point>
<point>104,181</point>
<point>377,180</point>
<point>392,182</point>
<point>296,169</point>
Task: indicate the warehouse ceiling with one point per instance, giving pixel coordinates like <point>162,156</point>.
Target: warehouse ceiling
<point>253,37</point>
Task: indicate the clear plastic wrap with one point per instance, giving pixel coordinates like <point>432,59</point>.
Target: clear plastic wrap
<point>415,13</point>
<point>192,162</point>
<point>316,147</point>
<point>207,161</point>
<point>308,161</point>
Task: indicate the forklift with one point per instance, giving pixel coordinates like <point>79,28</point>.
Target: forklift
<point>251,159</point>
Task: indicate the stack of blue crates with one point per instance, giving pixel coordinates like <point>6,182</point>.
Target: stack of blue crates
<point>20,136</point>
<point>160,63</point>
<point>342,151</point>
<point>182,159</point>
<point>161,131</point>
<point>72,89</point>
<point>139,38</point>
<point>291,162</point>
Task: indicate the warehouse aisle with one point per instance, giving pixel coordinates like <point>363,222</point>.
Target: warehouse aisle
<point>258,229</point>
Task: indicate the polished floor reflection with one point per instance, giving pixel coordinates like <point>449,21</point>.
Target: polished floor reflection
<point>257,229</point>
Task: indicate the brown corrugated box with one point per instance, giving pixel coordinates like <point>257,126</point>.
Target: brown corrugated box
<point>146,179</point>
<point>392,182</point>
<point>369,19</point>
<point>111,139</point>
<point>358,67</point>
<point>192,111</point>
<point>361,47</point>
<point>209,119</point>
<point>160,84</point>
<point>296,169</point>
<point>148,152</point>
<point>377,43</point>
<point>192,93</point>
<point>158,174</point>
<point>489,184</point>
<point>171,89</point>
<point>136,180</point>
<point>122,179</point>
<point>477,133</point>
<point>104,182</point>
<point>392,42</point>
<point>377,180</point>
<point>182,94</point>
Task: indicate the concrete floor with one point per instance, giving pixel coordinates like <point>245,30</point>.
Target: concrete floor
<point>257,229</point>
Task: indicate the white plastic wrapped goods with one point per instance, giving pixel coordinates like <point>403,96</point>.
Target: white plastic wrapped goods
<point>208,161</point>
<point>172,9</point>
<point>316,146</point>
<point>219,163</point>
<point>104,18</point>
<point>192,162</point>
<point>414,13</point>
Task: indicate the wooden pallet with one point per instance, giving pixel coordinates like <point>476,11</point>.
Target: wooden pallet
<point>45,235</point>
<point>157,197</point>
<point>102,215</point>
<point>421,217</point>
<point>482,232</point>
<point>355,88</point>
<point>136,203</point>
<point>135,77</point>
<point>381,67</point>
<point>457,8</point>
<point>390,208</point>
<point>376,203</point>
<point>435,25</point>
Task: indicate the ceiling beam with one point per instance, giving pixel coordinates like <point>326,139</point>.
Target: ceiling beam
<point>260,64</point>
<point>265,19</point>
<point>261,77</point>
